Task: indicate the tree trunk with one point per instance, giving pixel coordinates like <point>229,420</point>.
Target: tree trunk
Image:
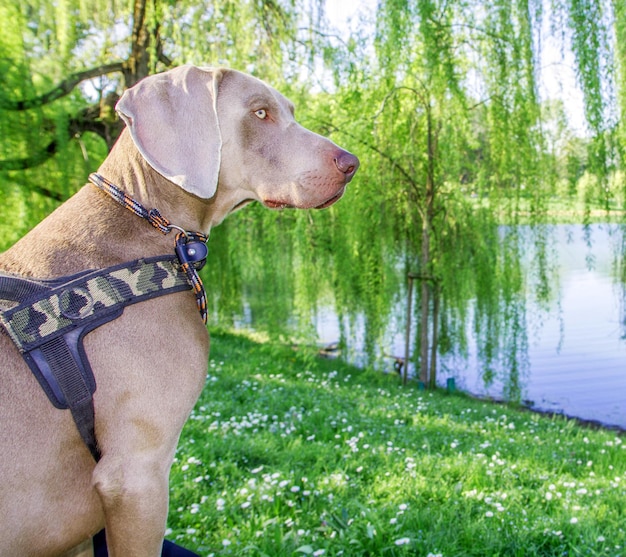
<point>432,380</point>
<point>138,64</point>
<point>425,306</point>
<point>426,264</point>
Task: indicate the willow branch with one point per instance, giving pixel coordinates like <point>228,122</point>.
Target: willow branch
<point>62,89</point>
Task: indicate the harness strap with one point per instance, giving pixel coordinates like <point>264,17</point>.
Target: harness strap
<point>19,288</point>
<point>49,326</point>
<point>89,297</point>
<point>75,380</point>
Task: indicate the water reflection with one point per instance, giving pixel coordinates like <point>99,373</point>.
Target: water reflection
<point>576,345</point>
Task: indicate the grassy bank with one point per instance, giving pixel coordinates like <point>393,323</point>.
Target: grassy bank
<point>286,455</point>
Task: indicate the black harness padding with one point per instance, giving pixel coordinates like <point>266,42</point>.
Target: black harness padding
<point>51,318</point>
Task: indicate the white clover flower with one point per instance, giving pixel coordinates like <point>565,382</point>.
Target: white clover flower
<point>403,541</point>
<point>573,520</point>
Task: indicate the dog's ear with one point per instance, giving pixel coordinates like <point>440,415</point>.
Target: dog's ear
<point>172,119</point>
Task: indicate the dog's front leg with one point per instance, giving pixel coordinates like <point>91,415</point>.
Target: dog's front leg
<point>134,496</point>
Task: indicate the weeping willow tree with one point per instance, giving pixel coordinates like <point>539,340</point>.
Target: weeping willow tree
<point>456,141</point>
<point>441,100</point>
<point>452,121</point>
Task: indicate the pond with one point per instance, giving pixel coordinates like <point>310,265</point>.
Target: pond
<point>576,342</point>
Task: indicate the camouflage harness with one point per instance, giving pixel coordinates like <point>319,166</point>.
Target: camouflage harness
<point>50,318</point>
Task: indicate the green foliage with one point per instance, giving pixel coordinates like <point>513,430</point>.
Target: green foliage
<point>441,101</point>
<point>590,45</point>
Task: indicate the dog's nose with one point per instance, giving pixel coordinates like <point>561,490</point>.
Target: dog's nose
<point>347,163</point>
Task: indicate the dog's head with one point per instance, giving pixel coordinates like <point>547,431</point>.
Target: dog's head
<point>222,132</point>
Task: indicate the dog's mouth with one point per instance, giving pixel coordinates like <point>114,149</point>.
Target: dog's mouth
<point>332,200</point>
<point>273,204</point>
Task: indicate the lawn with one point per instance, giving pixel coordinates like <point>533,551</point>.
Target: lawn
<point>290,455</point>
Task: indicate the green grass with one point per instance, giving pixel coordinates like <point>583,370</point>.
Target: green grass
<point>286,455</point>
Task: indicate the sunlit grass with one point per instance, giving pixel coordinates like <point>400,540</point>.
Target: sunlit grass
<point>285,455</point>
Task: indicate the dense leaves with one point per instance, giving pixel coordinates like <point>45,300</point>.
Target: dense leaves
<point>441,99</point>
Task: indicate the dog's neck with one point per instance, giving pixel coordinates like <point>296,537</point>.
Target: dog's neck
<point>140,181</point>
<point>91,230</point>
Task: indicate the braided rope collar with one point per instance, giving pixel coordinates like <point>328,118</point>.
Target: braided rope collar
<point>190,247</point>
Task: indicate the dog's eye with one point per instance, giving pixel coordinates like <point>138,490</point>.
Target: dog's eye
<point>261,114</point>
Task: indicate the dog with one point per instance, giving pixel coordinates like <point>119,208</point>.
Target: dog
<point>199,143</point>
